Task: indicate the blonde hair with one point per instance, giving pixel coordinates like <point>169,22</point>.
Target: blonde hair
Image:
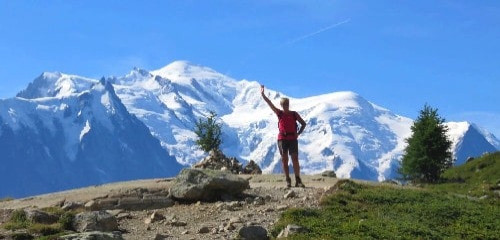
<point>284,100</point>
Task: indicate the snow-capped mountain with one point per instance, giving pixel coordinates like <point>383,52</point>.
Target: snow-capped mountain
<point>345,132</point>
<point>469,140</point>
<point>66,114</point>
<point>73,132</point>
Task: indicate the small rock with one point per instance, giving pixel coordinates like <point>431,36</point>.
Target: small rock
<point>115,212</point>
<point>89,204</point>
<point>229,227</point>
<point>156,216</point>
<point>204,229</point>
<point>268,198</point>
<point>329,173</point>
<point>259,201</point>
<point>235,220</point>
<point>248,200</point>
<point>71,205</point>
<point>291,229</point>
<point>122,216</point>
<point>176,223</point>
<point>235,204</point>
<point>290,194</point>
<point>282,207</point>
<point>161,236</point>
<point>253,233</point>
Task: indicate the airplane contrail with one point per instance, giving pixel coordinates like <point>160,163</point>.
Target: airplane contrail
<point>318,32</point>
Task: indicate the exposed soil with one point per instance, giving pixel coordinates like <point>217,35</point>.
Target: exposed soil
<point>262,205</point>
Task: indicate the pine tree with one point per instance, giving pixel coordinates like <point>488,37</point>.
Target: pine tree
<point>208,132</point>
<point>428,152</point>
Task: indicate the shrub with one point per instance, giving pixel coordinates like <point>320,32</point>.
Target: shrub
<point>208,132</point>
<point>18,220</point>
<point>66,220</point>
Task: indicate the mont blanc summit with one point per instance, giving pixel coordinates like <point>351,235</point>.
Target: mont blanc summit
<point>65,131</point>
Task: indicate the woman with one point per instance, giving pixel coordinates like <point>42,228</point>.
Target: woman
<point>287,137</point>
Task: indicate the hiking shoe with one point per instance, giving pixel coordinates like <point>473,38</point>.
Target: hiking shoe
<point>288,182</point>
<point>298,182</point>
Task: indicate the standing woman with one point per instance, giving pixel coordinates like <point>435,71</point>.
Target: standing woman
<point>287,137</point>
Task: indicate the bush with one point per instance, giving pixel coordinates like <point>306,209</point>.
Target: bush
<point>208,132</point>
<point>66,220</point>
<point>18,220</point>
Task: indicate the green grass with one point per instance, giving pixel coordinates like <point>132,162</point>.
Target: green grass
<point>362,211</point>
<point>476,178</point>
<point>19,220</point>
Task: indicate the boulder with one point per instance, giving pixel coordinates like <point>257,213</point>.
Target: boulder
<point>252,168</point>
<point>95,221</point>
<point>206,185</point>
<point>329,173</point>
<point>216,160</point>
<point>37,216</point>
<point>252,233</point>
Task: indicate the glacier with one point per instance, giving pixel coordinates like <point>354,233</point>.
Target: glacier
<point>67,117</point>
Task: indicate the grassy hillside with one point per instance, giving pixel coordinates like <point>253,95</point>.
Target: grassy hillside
<point>477,178</point>
<point>443,211</point>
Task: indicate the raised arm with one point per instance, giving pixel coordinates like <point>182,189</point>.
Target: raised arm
<point>271,105</point>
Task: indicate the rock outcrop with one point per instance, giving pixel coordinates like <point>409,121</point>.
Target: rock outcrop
<point>252,168</point>
<point>95,235</point>
<point>95,221</point>
<point>206,185</point>
<point>216,160</point>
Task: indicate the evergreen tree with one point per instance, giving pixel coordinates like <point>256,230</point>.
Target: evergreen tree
<point>208,132</point>
<point>428,152</point>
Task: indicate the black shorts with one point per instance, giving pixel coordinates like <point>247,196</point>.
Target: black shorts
<point>290,146</point>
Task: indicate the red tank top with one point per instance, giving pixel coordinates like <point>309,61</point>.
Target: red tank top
<point>287,125</point>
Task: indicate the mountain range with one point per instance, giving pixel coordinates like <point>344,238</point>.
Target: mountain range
<point>65,131</point>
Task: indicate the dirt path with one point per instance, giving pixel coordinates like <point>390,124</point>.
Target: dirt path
<point>268,198</point>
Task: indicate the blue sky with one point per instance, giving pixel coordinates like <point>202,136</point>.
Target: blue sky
<point>397,54</point>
